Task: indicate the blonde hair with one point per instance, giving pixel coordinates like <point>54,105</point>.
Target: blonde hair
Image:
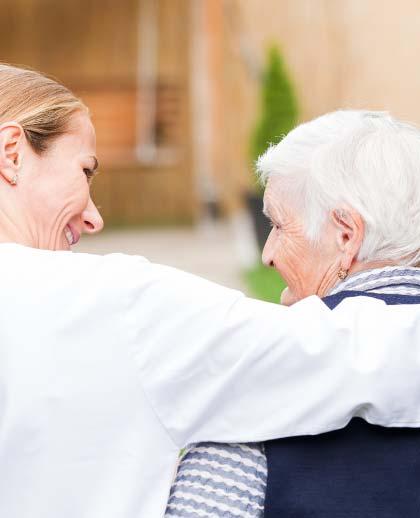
<point>41,105</point>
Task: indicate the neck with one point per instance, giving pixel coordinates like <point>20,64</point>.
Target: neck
<point>13,225</point>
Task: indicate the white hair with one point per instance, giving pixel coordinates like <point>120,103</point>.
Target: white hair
<point>367,160</point>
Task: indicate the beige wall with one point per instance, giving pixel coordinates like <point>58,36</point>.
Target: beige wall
<point>344,53</point>
<point>340,54</point>
<point>94,47</point>
<point>210,53</point>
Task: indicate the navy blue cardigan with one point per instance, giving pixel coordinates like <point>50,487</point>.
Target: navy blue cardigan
<point>362,471</point>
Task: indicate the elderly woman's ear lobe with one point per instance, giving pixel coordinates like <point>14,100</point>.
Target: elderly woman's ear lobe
<point>350,230</point>
<point>11,139</point>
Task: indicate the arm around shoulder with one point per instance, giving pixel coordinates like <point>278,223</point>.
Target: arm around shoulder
<point>218,366</point>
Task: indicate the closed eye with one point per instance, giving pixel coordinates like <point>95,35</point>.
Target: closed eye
<point>274,225</point>
<point>90,173</point>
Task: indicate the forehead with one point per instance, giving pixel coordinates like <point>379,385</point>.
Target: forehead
<point>81,128</point>
<point>272,194</point>
<point>80,136</point>
<point>277,199</point>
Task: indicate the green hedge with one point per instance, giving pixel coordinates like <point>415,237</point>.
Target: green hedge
<point>264,283</point>
<point>278,105</point>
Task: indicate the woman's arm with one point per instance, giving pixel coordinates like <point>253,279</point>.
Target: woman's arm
<point>217,366</point>
<point>220,480</point>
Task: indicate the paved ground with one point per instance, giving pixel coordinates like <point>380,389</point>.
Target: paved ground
<point>217,251</point>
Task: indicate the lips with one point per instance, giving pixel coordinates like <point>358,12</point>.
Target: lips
<point>71,234</point>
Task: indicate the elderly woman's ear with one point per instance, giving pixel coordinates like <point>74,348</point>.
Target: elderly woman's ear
<point>350,230</point>
<point>11,139</point>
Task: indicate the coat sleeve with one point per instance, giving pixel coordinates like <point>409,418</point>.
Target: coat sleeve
<point>218,366</point>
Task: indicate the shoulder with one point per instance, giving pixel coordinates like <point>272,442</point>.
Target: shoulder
<point>100,270</point>
<point>56,260</point>
<point>142,288</point>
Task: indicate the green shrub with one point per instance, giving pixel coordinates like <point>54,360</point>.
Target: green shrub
<point>279,109</point>
<point>264,283</point>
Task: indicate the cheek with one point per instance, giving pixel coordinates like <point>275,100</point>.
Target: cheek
<point>294,262</point>
<point>73,191</point>
<point>284,253</point>
<point>67,197</point>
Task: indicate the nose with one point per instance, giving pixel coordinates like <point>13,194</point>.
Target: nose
<point>267,254</point>
<point>91,219</point>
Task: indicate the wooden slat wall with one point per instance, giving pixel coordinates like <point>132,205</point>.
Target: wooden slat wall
<point>114,114</point>
<point>93,47</point>
<point>156,197</point>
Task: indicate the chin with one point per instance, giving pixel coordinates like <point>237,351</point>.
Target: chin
<point>288,297</point>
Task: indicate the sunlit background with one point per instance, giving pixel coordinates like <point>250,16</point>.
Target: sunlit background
<point>179,92</point>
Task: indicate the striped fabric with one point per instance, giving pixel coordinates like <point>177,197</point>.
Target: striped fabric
<point>229,480</point>
<point>397,280</point>
<point>220,480</point>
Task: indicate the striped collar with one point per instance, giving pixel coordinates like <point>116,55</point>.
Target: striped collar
<point>401,280</point>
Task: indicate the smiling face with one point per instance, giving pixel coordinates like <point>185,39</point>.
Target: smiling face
<point>53,187</point>
<point>306,267</point>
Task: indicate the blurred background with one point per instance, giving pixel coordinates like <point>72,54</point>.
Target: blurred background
<point>185,94</point>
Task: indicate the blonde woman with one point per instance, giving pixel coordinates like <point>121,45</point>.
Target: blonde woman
<point>109,365</point>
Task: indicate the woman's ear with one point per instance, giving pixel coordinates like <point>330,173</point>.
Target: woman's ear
<point>350,233</point>
<point>11,140</point>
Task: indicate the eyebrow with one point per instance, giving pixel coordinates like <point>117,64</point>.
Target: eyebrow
<point>266,212</point>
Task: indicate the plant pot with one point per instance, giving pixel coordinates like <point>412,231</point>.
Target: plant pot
<point>261,224</point>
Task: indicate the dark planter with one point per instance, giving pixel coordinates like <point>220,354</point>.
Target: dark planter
<point>261,224</point>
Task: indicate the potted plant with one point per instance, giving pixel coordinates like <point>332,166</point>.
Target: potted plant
<point>278,115</point>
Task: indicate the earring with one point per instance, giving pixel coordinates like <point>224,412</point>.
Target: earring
<point>342,274</point>
<point>14,180</point>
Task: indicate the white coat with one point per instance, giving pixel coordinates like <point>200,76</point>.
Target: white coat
<point>109,365</point>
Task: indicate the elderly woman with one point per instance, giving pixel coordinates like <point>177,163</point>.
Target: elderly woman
<point>343,197</point>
